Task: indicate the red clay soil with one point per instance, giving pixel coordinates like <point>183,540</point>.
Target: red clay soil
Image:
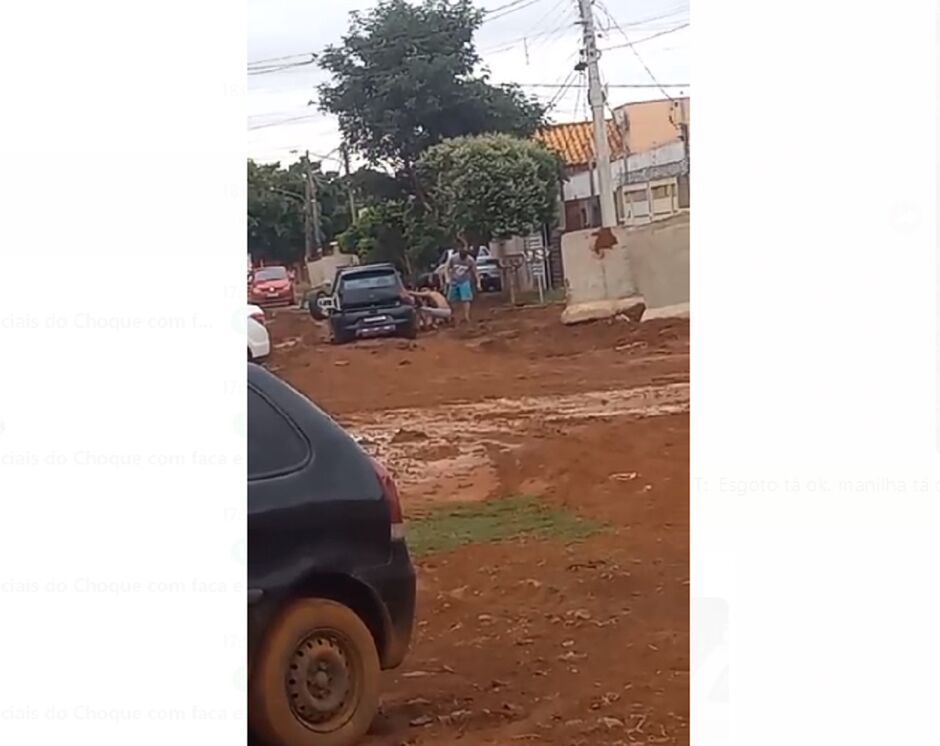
<point>531,641</point>
<point>506,353</point>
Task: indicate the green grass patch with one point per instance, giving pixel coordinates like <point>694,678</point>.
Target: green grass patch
<point>450,526</point>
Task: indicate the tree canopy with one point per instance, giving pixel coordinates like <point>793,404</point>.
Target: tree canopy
<point>276,213</point>
<point>405,77</point>
<point>491,186</point>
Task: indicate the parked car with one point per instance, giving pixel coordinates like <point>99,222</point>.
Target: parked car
<point>259,340</point>
<point>369,301</point>
<point>270,286</point>
<point>491,276</point>
<point>331,586</point>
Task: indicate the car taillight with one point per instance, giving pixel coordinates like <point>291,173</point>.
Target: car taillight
<point>259,317</point>
<point>392,499</point>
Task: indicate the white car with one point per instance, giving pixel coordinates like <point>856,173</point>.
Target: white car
<point>259,341</point>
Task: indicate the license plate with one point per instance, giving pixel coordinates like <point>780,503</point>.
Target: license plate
<point>374,319</point>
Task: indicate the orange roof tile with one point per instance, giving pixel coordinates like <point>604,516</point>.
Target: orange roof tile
<point>574,141</point>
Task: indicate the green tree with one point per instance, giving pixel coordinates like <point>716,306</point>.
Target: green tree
<point>491,186</point>
<point>404,78</point>
<point>275,219</point>
<point>396,230</point>
<point>276,212</point>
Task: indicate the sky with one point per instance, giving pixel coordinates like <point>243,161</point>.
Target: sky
<point>280,119</point>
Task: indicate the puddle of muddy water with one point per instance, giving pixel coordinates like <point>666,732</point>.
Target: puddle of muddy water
<point>443,453</point>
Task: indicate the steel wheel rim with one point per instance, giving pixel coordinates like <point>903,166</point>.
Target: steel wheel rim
<point>323,681</point>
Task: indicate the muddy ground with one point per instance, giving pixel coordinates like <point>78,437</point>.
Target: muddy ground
<point>541,641</point>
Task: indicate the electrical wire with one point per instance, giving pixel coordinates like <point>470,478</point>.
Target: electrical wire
<point>289,120</point>
<point>269,60</point>
<point>610,85</point>
<point>632,46</point>
<point>553,15</point>
<point>504,10</point>
<point>562,90</point>
<point>281,68</point>
<point>646,38</point>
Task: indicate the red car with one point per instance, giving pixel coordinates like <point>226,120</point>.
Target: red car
<point>271,285</point>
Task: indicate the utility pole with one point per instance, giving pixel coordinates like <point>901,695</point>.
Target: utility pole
<point>596,98</point>
<point>344,151</point>
<point>312,224</point>
<point>308,210</point>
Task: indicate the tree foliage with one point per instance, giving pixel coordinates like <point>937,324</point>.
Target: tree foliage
<point>491,186</point>
<point>405,78</point>
<point>399,231</point>
<point>276,213</point>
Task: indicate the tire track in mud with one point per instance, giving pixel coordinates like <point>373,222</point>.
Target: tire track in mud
<point>444,453</point>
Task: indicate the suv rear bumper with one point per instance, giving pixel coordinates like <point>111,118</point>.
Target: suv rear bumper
<point>373,323</point>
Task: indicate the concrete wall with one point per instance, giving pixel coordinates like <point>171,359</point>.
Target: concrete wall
<point>322,270</point>
<point>651,261</point>
<point>659,255</point>
<point>595,270</point>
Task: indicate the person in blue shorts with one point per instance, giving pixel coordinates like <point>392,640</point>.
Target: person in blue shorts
<point>462,280</point>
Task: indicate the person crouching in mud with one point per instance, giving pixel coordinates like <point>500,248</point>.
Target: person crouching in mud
<point>462,280</point>
<point>432,307</point>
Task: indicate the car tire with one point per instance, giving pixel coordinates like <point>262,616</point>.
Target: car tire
<point>307,633</point>
<point>411,331</point>
<point>314,307</point>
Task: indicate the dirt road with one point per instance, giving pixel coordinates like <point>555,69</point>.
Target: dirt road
<point>575,631</point>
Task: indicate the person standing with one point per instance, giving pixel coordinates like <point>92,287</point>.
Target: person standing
<point>462,280</point>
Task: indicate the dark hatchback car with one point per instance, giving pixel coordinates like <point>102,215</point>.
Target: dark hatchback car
<point>331,586</point>
<point>371,301</point>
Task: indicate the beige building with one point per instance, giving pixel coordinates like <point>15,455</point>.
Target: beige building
<point>650,174</point>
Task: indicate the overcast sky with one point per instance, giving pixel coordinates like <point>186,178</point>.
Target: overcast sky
<point>277,28</point>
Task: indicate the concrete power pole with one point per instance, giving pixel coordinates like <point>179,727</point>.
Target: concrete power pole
<point>596,98</point>
<point>352,196</point>
<point>308,210</point>
<point>312,212</point>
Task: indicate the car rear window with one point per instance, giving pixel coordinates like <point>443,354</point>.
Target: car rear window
<point>270,273</point>
<point>370,281</point>
<point>275,445</point>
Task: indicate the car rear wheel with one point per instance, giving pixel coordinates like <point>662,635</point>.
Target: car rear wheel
<point>316,679</point>
<point>313,305</point>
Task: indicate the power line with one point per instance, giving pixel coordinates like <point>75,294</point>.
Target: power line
<point>269,60</point>
<point>286,121</point>
<point>646,38</point>
<point>280,68</point>
<point>609,85</point>
<point>632,46</point>
<point>653,19</point>
<point>552,14</point>
<point>505,10</point>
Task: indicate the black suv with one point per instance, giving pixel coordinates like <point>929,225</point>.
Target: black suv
<point>371,301</point>
<point>331,587</point>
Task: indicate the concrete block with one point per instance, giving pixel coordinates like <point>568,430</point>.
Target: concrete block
<point>580,313</point>
<point>676,311</point>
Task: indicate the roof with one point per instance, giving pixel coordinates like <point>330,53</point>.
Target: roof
<point>652,123</point>
<point>574,141</point>
<point>354,268</point>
